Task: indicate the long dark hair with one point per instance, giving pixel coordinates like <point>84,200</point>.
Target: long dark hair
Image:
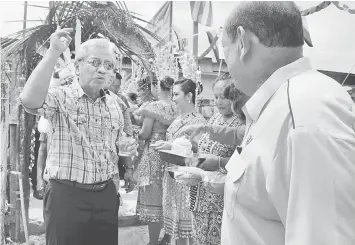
<point>189,86</point>
<point>165,84</point>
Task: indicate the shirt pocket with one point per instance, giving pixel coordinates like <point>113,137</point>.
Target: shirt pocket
<point>233,181</point>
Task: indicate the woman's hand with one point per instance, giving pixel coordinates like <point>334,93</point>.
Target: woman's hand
<point>214,182</point>
<point>188,179</point>
<point>189,129</point>
<point>199,129</point>
<point>211,163</point>
<point>161,145</point>
<point>214,188</point>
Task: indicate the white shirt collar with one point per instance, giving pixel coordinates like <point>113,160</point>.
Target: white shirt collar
<point>256,103</point>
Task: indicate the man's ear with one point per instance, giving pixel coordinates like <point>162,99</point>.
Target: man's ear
<point>244,43</point>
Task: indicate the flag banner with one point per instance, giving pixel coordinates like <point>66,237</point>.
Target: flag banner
<point>213,38</point>
<point>344,7</point>
<point>160,25</point>
<point>315,9</point>
<point>201,12</point>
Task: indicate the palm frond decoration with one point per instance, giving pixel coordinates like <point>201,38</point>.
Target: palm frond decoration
<point>108,19</point>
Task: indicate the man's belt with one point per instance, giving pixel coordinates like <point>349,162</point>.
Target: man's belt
<point>89,187</point>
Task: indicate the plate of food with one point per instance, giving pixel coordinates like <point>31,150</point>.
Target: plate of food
<point>182,172</point>
<point>181,154</point>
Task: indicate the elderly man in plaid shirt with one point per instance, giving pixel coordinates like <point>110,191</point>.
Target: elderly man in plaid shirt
<point>80,202</point>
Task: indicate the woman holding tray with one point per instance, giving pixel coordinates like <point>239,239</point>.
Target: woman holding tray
<point>156,117</point>
<point>176,198</point>
<point>207,207</point>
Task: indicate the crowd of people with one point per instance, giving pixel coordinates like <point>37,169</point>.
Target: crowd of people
<point>279,166</point>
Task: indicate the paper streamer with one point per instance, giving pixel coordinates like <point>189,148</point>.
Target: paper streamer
<point>344,7</point>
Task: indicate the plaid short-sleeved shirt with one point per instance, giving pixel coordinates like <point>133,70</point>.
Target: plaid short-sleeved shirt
<point>84,134</point>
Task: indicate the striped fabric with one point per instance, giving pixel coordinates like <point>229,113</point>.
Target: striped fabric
<point>344,5</point>
<point>201,11</point>
<point>84,134</point>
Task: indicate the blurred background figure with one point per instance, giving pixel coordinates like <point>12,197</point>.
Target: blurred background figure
<point>132,99</point>
<point>157,117</point>
<point>124,163</point>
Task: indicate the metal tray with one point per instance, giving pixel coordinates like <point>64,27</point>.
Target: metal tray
<point>181,160</point>
<point>174,173</point>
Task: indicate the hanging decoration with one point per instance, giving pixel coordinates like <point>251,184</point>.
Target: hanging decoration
<point>315,9</point>
<point>165,63</point>
<point>344,7</point>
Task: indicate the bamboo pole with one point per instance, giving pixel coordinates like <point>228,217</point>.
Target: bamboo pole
<point>13,151</point>
<point>17,169</point>
<point>4,93</point>
<point>24,16</point>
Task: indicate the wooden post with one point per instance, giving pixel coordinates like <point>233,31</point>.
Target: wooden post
<point>13,152</point>
<point>17,169</point>
<point>13,180</point>
<point>4,105</point>
<point>24,16</point>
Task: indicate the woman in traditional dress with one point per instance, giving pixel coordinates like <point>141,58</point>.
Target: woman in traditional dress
<point>145,97</point>
<point>157,117</point>
<point>176,198</point>
<point>207,207</point>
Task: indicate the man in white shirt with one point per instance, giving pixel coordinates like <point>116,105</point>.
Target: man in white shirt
<point>294,181</point>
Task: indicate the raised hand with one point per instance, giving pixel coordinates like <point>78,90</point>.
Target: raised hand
<point>210,164</point>
<point>189,129</point>
<point>188,179</point>
<point>199,129</point>
<point>60,40</point>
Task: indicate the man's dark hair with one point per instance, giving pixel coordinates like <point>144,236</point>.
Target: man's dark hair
<point>276,24</point>
<point>118,75</point>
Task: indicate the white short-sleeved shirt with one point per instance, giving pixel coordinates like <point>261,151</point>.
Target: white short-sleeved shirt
<point>294,186</point>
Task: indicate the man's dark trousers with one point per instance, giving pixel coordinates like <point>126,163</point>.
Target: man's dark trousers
<point>75,216</point>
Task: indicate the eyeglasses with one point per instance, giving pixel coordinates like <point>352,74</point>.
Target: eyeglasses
<point>97,63</point>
